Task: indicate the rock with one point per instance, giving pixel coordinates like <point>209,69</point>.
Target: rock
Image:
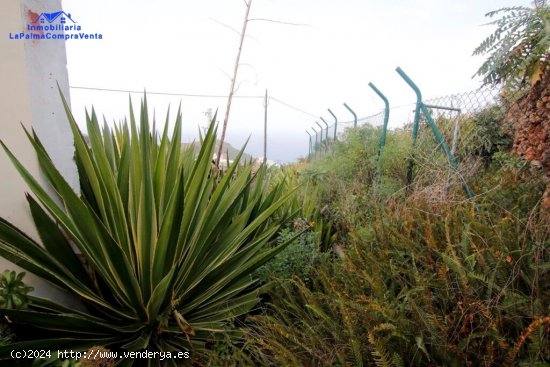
<point>529,121</point>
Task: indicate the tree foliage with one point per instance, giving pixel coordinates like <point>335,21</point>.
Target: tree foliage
<point>519,48</point>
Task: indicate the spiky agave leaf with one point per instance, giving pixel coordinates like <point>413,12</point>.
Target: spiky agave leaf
<point>169,245</point>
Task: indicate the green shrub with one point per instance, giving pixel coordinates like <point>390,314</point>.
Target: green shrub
<point>519,47</point>
<point>13,291</point>
<point>452,284</point>
<point>341,180</point>
<point>354,157</point>
<point>226,353</point>
<point>429,277</point>
<point>299,256</point>
<point>392,164</point>
<point>483,135</point>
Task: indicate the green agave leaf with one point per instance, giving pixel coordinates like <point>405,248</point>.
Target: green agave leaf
<point>139,343</point>
<point>124,283</point>
<point>55,242</point>
<point>78,324</point>
<point>20,249</point>
<point>160,296</point>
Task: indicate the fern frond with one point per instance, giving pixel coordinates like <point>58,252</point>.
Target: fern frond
<point>523,337</point>
<point>382,357</point>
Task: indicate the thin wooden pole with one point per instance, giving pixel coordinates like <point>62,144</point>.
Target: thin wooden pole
<point>232,89</point>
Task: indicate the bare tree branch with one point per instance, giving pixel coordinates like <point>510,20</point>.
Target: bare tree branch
<point>226,26</point>
<point>233,29</point>
<point>244,81</point>
<point>224,73</point>
<point>250,66</point>
<point>279,22</point>
<point>242,64</point>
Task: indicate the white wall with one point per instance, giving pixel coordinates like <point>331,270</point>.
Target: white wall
<point>29,70</point>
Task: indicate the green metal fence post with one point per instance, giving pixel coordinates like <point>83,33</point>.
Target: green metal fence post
<point>448,153</point>
<point>335,123</point>
<point>420,107</point>
<point>439,137</point>
<point>416,123</point>
<point>382,142</point>
<point>315,132</point>
<point>326,123</point>
<point>386,117</point>
<point>309,150</point>
<point>321,137</point>
<point>353,113</point>
<point>316,138</point>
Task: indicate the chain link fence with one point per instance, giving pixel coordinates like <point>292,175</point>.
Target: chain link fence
<point>454,116</point>
<point>322,140</point>
<point>453,111</point>
<point>470,103</point>
<point>449,113</point>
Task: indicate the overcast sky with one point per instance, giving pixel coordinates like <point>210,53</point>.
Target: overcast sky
<point>189,47</point>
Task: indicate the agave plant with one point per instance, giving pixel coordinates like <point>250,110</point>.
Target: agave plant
<point>159,247</point>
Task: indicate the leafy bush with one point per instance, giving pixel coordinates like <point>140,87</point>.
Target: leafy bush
<point>226,353</point>
<point>519,47</point>
<point>483,134</point>
<point>299,256</point>
<point>509,186</point>
<point>159,249</point>
<point>304,205</point>
<point>424,282</point>
<point>13,291</point>
<point>341,181</point>
<point>451,287</point>
<point>395,152</point>
<point>352,158</point>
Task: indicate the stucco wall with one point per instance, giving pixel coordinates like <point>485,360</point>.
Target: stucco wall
<point>29,70</point>
<point>46,65</point>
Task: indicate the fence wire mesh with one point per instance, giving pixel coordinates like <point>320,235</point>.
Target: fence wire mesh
<point>455,117</point>
<point>375,120</point>
<point>449,112</point>
<point>471,102</point>
<point>321,141</point>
